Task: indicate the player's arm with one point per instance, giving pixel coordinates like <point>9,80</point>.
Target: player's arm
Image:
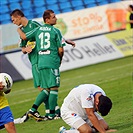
<point>26,49</point>
<point>60,44</point>
<point>28,35</point>
<point>92,117</point>
<point>70,42</point>
<point>21,33</point>
<point>61,52</point>
<point>8,91</point>
<point>67,41</point>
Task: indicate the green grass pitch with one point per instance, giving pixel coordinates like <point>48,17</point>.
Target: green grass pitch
<point>115,77</point>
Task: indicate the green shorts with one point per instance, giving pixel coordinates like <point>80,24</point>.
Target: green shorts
<point>49,78</point>
<point>36,75</point>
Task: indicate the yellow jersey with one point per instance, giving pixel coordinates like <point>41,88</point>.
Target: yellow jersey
<point>127,19</point>
<point>3,100</point>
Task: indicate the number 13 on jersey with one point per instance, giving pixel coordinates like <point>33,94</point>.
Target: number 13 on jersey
<point>45,43</point>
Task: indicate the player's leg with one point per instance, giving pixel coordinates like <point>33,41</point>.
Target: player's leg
<point>75,121</point>
<point>57,111</point>
<point>43,96</point>
<point>53,101</point>
<point>10,127</point>
<point>82,126</point>
<point>2,127</point>
<point>53,83</point>
<point>46,108</point>
<point>7,119</point>
<point>64,130</point>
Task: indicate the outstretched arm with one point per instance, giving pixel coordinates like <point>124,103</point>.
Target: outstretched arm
<point>70,42</point>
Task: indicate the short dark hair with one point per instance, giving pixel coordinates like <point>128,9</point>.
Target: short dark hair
<point>46,14</point>
<point>104,105</point>
<point>131,6</point>
<point>17,12</point>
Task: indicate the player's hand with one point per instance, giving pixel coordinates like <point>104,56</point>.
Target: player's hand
<point>111,130</point>
<point>8,91</point>
<point>28,49</point>
<point>71,43</point>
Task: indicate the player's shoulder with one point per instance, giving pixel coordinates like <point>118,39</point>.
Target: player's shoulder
<point>34,22</point>
<point>57,30</point>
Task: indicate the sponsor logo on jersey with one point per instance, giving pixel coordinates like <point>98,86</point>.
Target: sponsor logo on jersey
<point>73,114</point>
<point>89,98</point>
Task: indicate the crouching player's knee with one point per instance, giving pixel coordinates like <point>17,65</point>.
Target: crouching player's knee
<point>85,128</point>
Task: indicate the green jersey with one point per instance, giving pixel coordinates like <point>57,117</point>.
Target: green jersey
<point>48,40</point>
<point>33,56</point>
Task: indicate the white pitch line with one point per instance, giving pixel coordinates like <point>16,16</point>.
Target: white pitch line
<point>62,91</point>
<point>93,73</point>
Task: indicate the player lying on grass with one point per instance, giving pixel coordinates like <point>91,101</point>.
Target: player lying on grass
<point>80,110</point>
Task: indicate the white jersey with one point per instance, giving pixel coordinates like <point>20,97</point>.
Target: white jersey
<point>80,98</point>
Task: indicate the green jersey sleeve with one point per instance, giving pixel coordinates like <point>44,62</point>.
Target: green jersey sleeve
<point>36,24</point>
<point>32,34</point>
<point>23,43</point>
<point>60,37</point>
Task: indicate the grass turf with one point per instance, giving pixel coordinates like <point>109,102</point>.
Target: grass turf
<point>114,77</point>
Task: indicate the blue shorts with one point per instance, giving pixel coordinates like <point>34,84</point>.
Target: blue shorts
<point>5,116</point>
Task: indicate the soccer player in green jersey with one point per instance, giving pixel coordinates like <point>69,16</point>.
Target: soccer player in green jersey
<point>50,49</point>
<point>18,18</point>
<point>28,46</point>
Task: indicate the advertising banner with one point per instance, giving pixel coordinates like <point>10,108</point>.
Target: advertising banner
<point>123,41</point>
<point>76,24</point>
<point>87,51</point>
<point>92,21</point>
<point>21,63</point>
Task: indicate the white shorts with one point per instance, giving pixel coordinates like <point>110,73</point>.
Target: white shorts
<point>74,120</point>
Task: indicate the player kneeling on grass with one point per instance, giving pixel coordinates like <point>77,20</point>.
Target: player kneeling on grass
<point>79,110</point>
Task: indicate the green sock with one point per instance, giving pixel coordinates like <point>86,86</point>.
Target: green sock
<point>46,107</point>
<point>53,102</point>
<point>43,95</point>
